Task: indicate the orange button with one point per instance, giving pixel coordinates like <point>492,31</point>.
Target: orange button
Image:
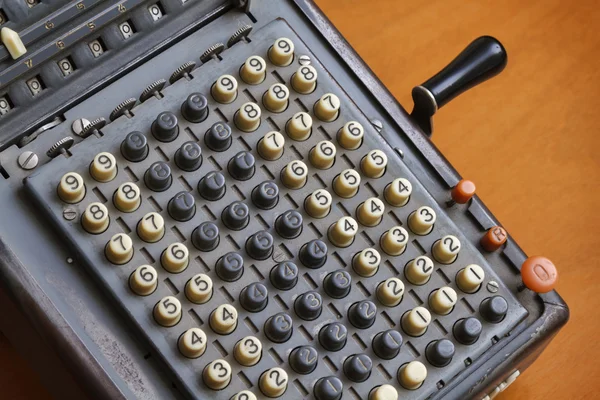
<point>539,274</point>
<point>463,191</point>
<point>494,238</point>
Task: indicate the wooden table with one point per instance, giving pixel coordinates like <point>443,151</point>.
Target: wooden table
<point>529,139</point>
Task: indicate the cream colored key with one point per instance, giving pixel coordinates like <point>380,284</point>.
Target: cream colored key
<point>273,382</point>
<point>244,395</point>
<point>384,392</point>
<point>13,43</point>
<point>95,218</point>
<point>416,321</point>
<point>151,227</point>
<point>318,204</point>
<point>299,127</point>
<point>350,137</point>
<point>390,292</point>
<point>393,242</point>
<point>225,89</point>
<point>293,175</point>
<point>342,232</point>
<point>127,197</point>
<point>199,289</point>
<point>422,220</point>
<point>398,192</point>
<point>143,280</point>
<point>327,108</point>
<point>304,81</point>
<point>282,52</point>
<point>247,118</point>
<point>469,279</point>
<point>370,212</point>
<point>276,98</point>
<point>104,167</point>
<point>322,156</point>
<point>366,263</point>
<point>167,312</point>
<point>412,375</point>
<point>217,374</point>
<point>446,249</point>
<point>271,146</point>
<point>71,188</point>
<point>443,300</point>
<point>223,319</point>
<point>248,351</point>
<point>254,70</point>
<point>119,249</point>
<point>192,344</point>
<point>347,183</point>
<point>374,163</point>
<point>419,270</point>
<point>175,258</point>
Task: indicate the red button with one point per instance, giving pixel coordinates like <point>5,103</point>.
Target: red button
<point>463,191</point>
<point>539,274</point>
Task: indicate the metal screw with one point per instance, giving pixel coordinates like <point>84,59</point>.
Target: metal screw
<point>377,124</point>
<point>78,125</point>
<point>492,286</point>
<point>69,213</point>
<point>28,160</point>
<point>304,60</point>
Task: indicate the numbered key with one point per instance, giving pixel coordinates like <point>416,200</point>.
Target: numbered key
<point>398,192</point>
<point>419,270</point>
<point>284,276</point>
<point>276,98</point>
<point>218,137</point>
<point>248,351</point>
<point>254,70</point>
<point>265,195</point>
<point>158,177</point>
<point>416,321</point>
<point>225,89</point>
<point>247,118</point>
<point>282,52</point>
<point>127,198</point>
<point>182,207</point>
<point>470,278</point>
<point>333,336</point>
<point>362,314</point>
<point>95,218</point>
<point>199,289</point>
<point>443,300</point>
<point>151,227</point>
<point>328,388</point>
<point>422,220</point>
<point>294,175</point>
<point>71,188</point>
<point>206,236</point>
<point>135,147</point>
<point>217,374</point>
<point>370,212</point>
<point>327,108</point>
<point>412,375</point>
<point>390,292</point>
<point>223,319</point>
<point>192,344</point>
<point>446,249</point>
<point>347,183</point>
<point>119,249</point>
<point>350,137</point>
<point>308,306</point>
<point>394,241</point>
<point>143,280</point>
<point>384,392</point>
<point>304,81</point>
<point>374,163</point>
<point>279,328</point>
<point>299,127</point>
<point>271,146</point>
<point>244,395</point>
<point>304,359</point>
<point>175,258</point>
<point>273,382</point>
<point>322,156</point>
<point>342,232</point>
<point>189,156</point>
<point>104,167</point>
<point>366,263</point>
<point>167,312</point>
<point>230,267</point>
<point>337,284</point>
<point>318,204</point>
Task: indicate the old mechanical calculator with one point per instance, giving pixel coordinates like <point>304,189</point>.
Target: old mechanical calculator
<point>217,199</point>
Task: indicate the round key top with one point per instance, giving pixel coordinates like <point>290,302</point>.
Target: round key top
<point>293,175</point>
<point>127,197</point>
<point>308,306</point>
<point>373,164</point>
<point>467,330</point>
<point>322,156</point>
<point>271,146</point>
<point>254,297</point>
<point>273,382</point>
<point>218,137</point>
<point>539,274</point>
<point>384,392</point>
<point>182,207</point>
<point>415,321</point>
<point>195,108</point>
<point>236,216</point>
<point>143,280</point>
<point>469,279</point>
<point>358,367</point>
<point>158,177</point>
<point>151,228</point>
<point>333,336</point>
<point>386,344</point>
<point>284,275</point>
<point>390,292</point>
<point>398,192</point>
<point>304,81</point>
<point>318,204</point>
<point>282,52</point>
<point>443,300</point>
<point>393,242</point>
<point>254,70</point>
<point>165,127</point>
<point>362,314</point>
<point>189,156</point>
<point>212,186</point>
<point>248,351</point>
<point>244,395</point>
<point>135,147</point>
<point>119,249</point>
<point>260,245</point>
<point>276,98</point>
<point>366,263</point>
<point>412,375</point>
<point>104,167</point>
<point>439,353</point>
<point>370,212</point>
<point>419,270</point>
<point>463,191</point>
<point>192,344</point>
<point>327,108</point>
<point>289,224</point>
<point>304,359</point>
<point>265,195</point>
<point>342,233</point>
<point>224,90</point>
<point>328,388</point>
<point>95,218</point>
<point>446,249</point>
<point>206,236</point>
<point>421,221</point>
<point>71,188</point>
<point>350,137</point>
<point>199,289</point>
<point>299,127</point>
<point>167,312</point>
<point>242,166</point>
<point>337,284</point>
<point>217,374</point>
<point>493,309</point>
<point>278,328</point>
<point>247,118</point>
<point>230,267</point>
<point>175,258</point>
<point>313,254</point>
<point>223,319</point>
<point>347,183</point>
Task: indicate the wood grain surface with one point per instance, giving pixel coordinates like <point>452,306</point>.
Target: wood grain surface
<point>529,139</point>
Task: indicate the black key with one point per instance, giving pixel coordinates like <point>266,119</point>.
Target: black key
<point>218,137</point>
<point>439,353</point>
<point>362,314</point>
<point>236,216</point>
<point>241,166</point>
<point>165,128</point>
<point>333,336</point>
<point>467,330</point>
<point>230,267</point>
<point>289,224</point>
<point>212,186</point>
<point>278,328</point>
<point>313,254</point>
<point>182,207</point>
<point>195,108</point>
<point>493,309</point>
<point>304,359</point>
<point>337,284</point>
<point>158,177</point>
<point>328,388</point>
<point>358,367</point>
<point>386,344</point>
<point>135,147</point>
<point>189,156</point>
<point>265,195</point>
<point>308,306</point>
<point>254,297</point>
<point>260,245</point>
<point>284,275</point>
<point>206,236</point>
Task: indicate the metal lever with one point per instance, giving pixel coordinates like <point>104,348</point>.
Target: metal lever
<point>483,59</point>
